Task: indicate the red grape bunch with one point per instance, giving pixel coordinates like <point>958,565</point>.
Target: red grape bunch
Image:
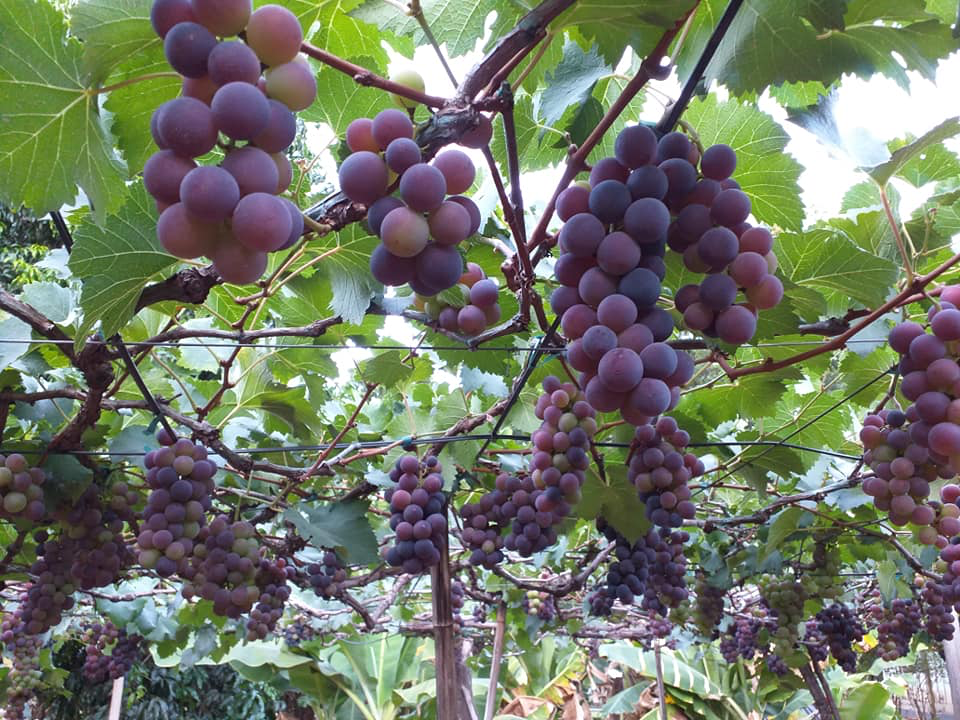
<point>841,629</point>
<point>181,480</point>
<point>230,212</point>
<point>50,593</point>
<point>21,489</point>
<point>325,577</point>
<point>479,308</point>
<point>539,604</point>
<point>419,516</point>
<point>223,565</point>
<point>484,521</point>
<point>610,271</point>
<point>110,652</point>
<point>25,677</point>
<point>937,609</point>
<point>904,467</point>
<point>708,609</point>
<point>271,583</point>
<point>419,230</point>
<point>897,626</point>
<point>558,466</point>
<point>660,470</point>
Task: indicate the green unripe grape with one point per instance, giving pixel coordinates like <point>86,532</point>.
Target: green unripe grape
<point>14,502</point>
<point>148,558</point>
<point>411,79</point>
<point>432,308</point>
<point>568,421</point>
<point>6,477</point>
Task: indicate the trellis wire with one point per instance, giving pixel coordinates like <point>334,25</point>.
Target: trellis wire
<point>346,346</point>
<point>432,440</point>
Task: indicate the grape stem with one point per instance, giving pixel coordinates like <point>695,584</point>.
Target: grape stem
<point>132,81</point>
<point>415,10</point>
<point>897,235</point>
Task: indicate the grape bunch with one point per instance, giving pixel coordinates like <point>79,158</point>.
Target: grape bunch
<point>652,568</point>
<point>421,226</point>
<point>181,480</point>
<point>479,308</point>
<point>815,641</point>
<point>21,489</point>
<point>896,628</point>
<point>904,465</point>
<point>937,610</point>
<point>776,664</point>
<point>457,600</point>
<point>299,631</point>
<point>25,677</point>
<point>110,652</point>
<point>660,470</point>
<point>223,567</point>
<point>93,536</point>
<point>729,650</point>
<point>741,640</point>
<point>609,271</point>
<point>785,598</point>
<point>50,593</point>
<point>230,212</point>
<point>557,466</point>
<point>325,577</point>
<point>540,605</point>
<point>841,628</point>
<point>708,609</point>
<point>483,523</point>
<point>270,582</point>
<point>419,513</point>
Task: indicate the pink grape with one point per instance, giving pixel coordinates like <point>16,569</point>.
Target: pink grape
<point>364,177</point>
<point>275,35</point>
<point>293,83</point>
<point>233,61</point>
<point>238,264</point>
<point>253,169</point>
<point>261,222</point>
<point>223,17</point>
<point>767,293</point>
<point>187,46</point>
<point>390,124</point>
<point>457,169</point>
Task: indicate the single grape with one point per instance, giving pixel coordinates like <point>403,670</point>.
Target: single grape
<point>223,17</point>
<point>673,145</point>
<point>449,223</point>
<point>293,83</point>
<point>608,168</point>
<point>359,136</point>
<point>439,267</point>
<point>718,292</point>
<point>648,181</point>
<point>253,169</point>
<point>409,78</point>
<point>718,162</point>
<point>457,169</point>
<point>210,193</point>
<point>391,269</point>
<point>404,232</point>
<point>471,320</point>
<point>479,136</point>
<point>183,235</point>
<point>233,61</point>
<point>164,14</point>
<point>378,211</point>
<point>736,325</point>
<point>572,201</point>
<point>237,264</point>
<point>484,293</point>
<point>647,220</point>
<point>401,154</point>
<point>261,222</point>
<point>187,127</point>
<point>163,173</point>
<point>767,293</point>
<point>617,312</point>
<point>422,187</point>
<point>280,131</point>
<point>471,207</point>
<point>388,125</point>
<point>609,200</point>
<point>363,177</point>
<point>730,207</point>
<point>618,253</point>
<point>187,46</point>
<point>275,35</point>
<point>581,235</point>
<point>635,146</point>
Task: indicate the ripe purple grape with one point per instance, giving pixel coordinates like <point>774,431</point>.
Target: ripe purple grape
<point>363,177</point>
<point>187,46</point>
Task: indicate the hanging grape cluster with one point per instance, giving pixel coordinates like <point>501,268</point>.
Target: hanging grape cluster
<point>419,513</point>
<point>841,629</point>
<point>25,676</point>
<point>652,568</point>
<point>109,653</point>
<point>325,577</point>
<point>419,230</point>
<point>229,211</point>
<point>708,608</point>
<point>661,470</point>
<point>479,308</point>
<point>181,481</point>
<point>21,489</point>
<point>784,597</point>
<point>896,627</point>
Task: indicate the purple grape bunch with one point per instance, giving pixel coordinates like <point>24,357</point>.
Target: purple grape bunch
<point>231,212</point>
<point>419,513</point>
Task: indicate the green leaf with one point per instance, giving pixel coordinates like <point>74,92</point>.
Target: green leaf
<point>771,42</point>
<point>53,137</point>
<point>827,261</point>
<point>883,172</point>
<point>458,24</point>
<point>114,262</point>
<point>386,369</point>
<point>865,702</point>
<point>765,172</point>
<point>783,523</point>
<point>54,301</point>
<point>676,672</point>
<point>133,104</point>
<point>343,526</point>
<point>571,82</point>
<point>346,268</point>
<point>112,31</point>
<point>13,329</point>
<point>204,643</point>
<point>887,579</point>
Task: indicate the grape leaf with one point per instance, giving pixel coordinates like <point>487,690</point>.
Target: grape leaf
<point>765,172</point>
<point>827,261</point>
<point>571,82</point>
<point>343,526</point>
<point>112,31</point>
<point>771,42</point>
<point>883,172</point>
<point>386,369</point>
<point>53,137</point>
<point>114,262</point>
<point>13,329</point>
<point>346,267</point>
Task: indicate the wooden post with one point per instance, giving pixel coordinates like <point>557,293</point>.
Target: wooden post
<point>495,663</point>
<point>661,688</point>
<point>116,699</point>
<point>951,655</point>
<point>446,660</point>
